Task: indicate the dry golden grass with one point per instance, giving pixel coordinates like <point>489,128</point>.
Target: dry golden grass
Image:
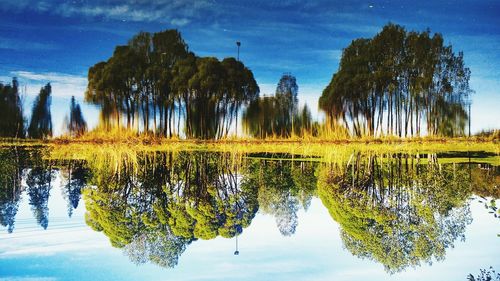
<point>122,143</point>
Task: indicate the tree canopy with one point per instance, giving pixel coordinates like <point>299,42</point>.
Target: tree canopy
<point>154,78</point>
<point>397,82</point>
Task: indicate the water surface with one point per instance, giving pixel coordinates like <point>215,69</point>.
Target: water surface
<point>202,215</point>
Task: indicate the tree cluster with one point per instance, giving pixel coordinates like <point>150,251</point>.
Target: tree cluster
<point>398,82</point>
<point>155,84</point>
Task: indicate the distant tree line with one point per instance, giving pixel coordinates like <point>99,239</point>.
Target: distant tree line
<point>396,83</point>
<point>154,83</point>
<point>278,115</point>
<point>13,123</point>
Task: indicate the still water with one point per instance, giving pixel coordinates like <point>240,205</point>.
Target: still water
<point>214,216</point>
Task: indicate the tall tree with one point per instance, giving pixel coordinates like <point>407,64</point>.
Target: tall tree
<point>39,185</point>
<point>77,125</point>
<point>11,167</point>
<point>41,120</point>
<point>12,120</point>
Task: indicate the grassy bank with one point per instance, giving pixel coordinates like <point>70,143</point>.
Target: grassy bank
<point>328,150</point>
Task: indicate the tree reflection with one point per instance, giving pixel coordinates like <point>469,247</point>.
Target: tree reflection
<point>169,201</point>
<point>397,210</point>
<point>11,169</point>
<point>282,187</point>
<point>156,207</point>
<point>19,164</point>
<point>39,180</point>
<point>75,177</point>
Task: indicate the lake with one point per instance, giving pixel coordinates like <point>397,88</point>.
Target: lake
<point>205,214</point>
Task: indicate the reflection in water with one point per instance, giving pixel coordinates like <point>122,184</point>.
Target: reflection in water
<point>10,185</point>
<point>283,186</point>
<point>158,209</point>
<point>398,210</point>
<point>75,177</point>
<point>18,164</point>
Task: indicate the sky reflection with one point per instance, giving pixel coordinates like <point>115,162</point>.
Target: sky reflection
<point>69,250</point>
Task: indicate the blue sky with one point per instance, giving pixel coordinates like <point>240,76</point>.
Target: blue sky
<point>57,41</point>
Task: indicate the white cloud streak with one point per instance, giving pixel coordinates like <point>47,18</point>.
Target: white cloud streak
<point>175,12</point>
<point>63,85</point>
<point>19,45</point>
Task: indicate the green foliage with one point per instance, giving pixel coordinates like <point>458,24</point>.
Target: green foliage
<point>399,212</point>
<point>155,78</point>
<point>167,202</point>
<point>396,81</point>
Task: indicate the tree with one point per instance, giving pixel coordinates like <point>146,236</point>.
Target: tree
<point>41,120</point>
<point>485,275</point>
<point>76,178</point>
<point>12,121</point>
<point>77,125</point>
<point>281,190</point>
<point>155,207</point>
<point>396,81</point>
<point>39,185</point>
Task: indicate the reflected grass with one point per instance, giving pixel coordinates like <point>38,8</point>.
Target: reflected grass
<point>109,152</point>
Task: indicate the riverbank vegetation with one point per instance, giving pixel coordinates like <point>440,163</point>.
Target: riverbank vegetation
<point>398,85</point>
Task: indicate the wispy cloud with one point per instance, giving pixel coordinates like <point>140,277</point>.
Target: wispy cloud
<point>21,45</point>
<point>176,12</point>
<point>63,85</point>
<point>180,21</point>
